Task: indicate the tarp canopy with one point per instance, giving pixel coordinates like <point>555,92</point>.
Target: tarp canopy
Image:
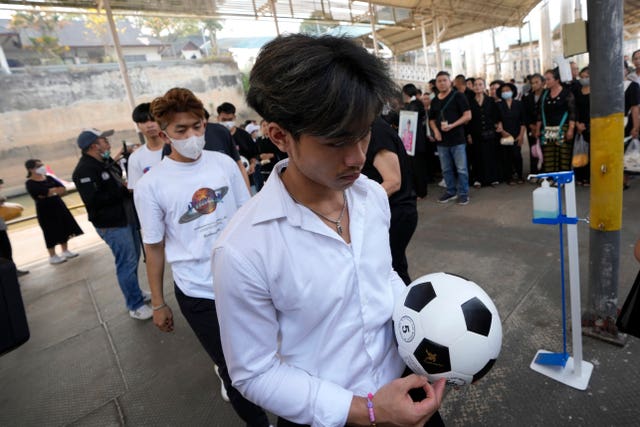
<point>398,22</point>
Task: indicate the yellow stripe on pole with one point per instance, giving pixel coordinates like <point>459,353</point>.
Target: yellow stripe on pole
<point>607,149</point>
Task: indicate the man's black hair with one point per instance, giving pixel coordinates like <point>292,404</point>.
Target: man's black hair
<point>460,77</point>
<point>227,108</point>
<point>536,76</point>
<point>142,113</point>
<point>320,86</point>
<point>443,73</point>
<point>410,90</point>
<point>470,79</point>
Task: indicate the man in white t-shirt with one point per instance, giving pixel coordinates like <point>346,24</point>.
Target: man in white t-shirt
<point>183,204</point>
<point>149,154</point>
<point>303,276</point>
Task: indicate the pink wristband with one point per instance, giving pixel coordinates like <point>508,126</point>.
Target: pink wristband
<point>372,415</point>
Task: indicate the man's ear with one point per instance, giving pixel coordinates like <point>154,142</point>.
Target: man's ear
<point>280,137</point>
<point>164,137</point>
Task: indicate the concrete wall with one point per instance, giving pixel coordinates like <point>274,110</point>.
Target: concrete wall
<point>43,109</point>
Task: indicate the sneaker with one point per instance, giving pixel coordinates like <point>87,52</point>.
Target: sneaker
<point>446,197</point>
<point>69,254</point>
<point>57,260</point>
<point>463,200</point>
<point>495,183</point>
<point>477,184</point>
<point>146,296</point>
<point>223,390</point>
<point>143,312</point>
<point>22,272</point>
<point>442,183</point>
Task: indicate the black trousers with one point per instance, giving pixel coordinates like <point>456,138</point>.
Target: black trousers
<point>202,317</point>
<point>5,246</point>
<point>420,173</point>
<point>404,220</point>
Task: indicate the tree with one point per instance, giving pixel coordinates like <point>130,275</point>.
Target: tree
<point>312,25</point>
<point>169,29</point>
<point>44,25</point>
<point>212,26</point>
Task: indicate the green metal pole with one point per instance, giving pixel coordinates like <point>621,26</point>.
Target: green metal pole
<point>607,106</point>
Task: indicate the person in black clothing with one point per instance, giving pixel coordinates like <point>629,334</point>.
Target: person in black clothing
<point>218,138</point>
<point>460,83</point>
<point>6,251</point>
<point>583,121</point>
<point>511,126</point>
<point>109,205</point>
<point>268,153</point>
<point>482,138</point>
<point>449,113</point>
<point>245,144</point>
<point>556,124</point>
<point>631,112</point>
<point>419,161</point>
<point>56,222</point>
<point>388,163</point>
<point>531,103</point>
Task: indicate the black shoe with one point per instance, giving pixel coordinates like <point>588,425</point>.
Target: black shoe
<point>22,272</point>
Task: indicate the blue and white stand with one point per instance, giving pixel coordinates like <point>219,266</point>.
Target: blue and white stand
<point>572,371</point>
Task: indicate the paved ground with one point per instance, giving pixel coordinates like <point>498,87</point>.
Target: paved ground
<point>88,364</point>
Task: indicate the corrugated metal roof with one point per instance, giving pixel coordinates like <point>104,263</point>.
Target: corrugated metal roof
<point>400,20</point>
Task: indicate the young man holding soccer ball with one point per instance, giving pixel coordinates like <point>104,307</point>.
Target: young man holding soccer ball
<point>304,285</point>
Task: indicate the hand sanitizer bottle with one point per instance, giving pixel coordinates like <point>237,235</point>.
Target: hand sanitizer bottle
<point>545,201</point>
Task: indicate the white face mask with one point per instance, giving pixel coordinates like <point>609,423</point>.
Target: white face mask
<point>190,148</point>
<point>42,170</point>
<point>229,125</point>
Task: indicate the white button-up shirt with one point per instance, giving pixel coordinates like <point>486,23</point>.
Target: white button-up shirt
<point>305,318</point>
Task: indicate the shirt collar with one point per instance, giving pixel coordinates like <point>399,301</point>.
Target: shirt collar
<point>276,202</point>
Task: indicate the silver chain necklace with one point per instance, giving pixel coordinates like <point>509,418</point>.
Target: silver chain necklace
<point>334,222</point>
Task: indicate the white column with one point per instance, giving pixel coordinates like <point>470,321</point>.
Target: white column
<point>119,55</point>
<point>425,47</point>
<point>456,58</point>
<point>470,53</point>
<point>545,38</point>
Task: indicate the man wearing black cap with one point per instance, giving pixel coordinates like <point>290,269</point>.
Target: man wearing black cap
<point>104,192</point>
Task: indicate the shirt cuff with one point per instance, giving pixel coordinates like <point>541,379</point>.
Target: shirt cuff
<point>332,405</point>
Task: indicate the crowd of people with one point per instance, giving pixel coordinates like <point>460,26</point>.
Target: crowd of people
<point>473,133</point>
<point>273,233</point>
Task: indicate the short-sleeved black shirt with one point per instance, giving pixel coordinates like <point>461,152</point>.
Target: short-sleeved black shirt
<point>455,108</point>
<point>384,137</point>
<point>631,98</point>
<point>218,138</point>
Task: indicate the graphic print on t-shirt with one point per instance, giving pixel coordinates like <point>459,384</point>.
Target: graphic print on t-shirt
<point>203,202</point>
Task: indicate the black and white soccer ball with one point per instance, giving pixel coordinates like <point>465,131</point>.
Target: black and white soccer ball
<point>447,327</point>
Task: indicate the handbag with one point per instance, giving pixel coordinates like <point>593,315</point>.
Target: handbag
<point>632,156</point>
<point>629,318</point>
<point>507,140</point>
<point>536,152</point>
<point>580,152</point>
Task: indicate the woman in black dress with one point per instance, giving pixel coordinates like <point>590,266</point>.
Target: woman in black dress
<point>511,125</point>
<point>483,144</point>
<point>56,222</point>
<point>556,124</point>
